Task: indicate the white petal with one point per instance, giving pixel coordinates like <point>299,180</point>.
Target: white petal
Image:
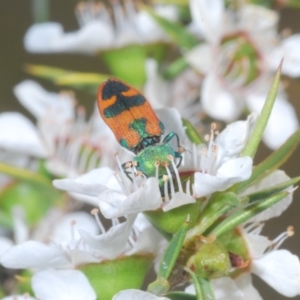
<point>288,50</point>
<point>49,37</point>
<point>33,254</point>
<point>276,210</point>
<point>147,197</point>
<point>144,243</point>
<point>257,244</point>
<point>225,288</point>
<point>171,119</point>
<point>19,297</point>
<point>19,135</point>
<point>231,172</point>
<point>244,283</point>
<point>258,19</point>
<point>178,199</point>
<point>200,58</point>
<point>42,103</point>
<point>207,15</point>
<point>5,244</point>
<point>112,243</point>
<point>155,89</point>
<point>281,270</point>
<point>61,285</point>
<point>217,102</point>
<point>91,183</point>
<point>67,228</point>
<point>21,231</point>
<point>232,140</point>
<point>136,295</point>
<point>276,133</point>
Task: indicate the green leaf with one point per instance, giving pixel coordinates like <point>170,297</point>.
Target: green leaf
<point>26,175</point>
<point>255,138</point>
<point>160,285</point>
<point>111,276</point>
<point>177,32</point>
<point>175,68</point>
<point>192,133</point>
<point>218,205</point>
<point>246,214</point>
<point>62,77</point>
<point>272,162</point>
<point>180,296</point>
<point>170,256</point>
<point>266,193</point>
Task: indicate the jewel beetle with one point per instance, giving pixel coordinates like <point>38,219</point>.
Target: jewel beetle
<point>137,128</point>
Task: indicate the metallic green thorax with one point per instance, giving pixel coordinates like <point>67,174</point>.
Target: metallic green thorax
<point>147,159</point>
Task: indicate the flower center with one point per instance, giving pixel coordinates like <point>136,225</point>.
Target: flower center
<point>240,59</point>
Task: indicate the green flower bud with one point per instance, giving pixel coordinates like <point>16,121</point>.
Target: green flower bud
<point>171,221</point>
<point>211,261</point>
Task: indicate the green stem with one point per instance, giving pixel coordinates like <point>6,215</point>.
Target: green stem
<point>25,175</point>
<point>203,287</point>
<point>218,205</point>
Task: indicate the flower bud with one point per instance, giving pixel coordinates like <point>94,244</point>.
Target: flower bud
<point>210,261</point>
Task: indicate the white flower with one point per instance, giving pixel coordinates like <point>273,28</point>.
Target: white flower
<point>180,94</point>
<point>233,78</point>
<point>61,285</point>
<point>75,241</point>
<point>136,295</point>
<point>99,30</point>
<point>218,165</point>
<point>73,145</point>
<point>116,195</point>
<point>58,239</point>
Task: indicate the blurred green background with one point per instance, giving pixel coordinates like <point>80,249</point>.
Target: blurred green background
<point>17,15</point>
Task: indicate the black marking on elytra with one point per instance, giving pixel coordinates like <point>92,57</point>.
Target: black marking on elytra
<point>116,88</point>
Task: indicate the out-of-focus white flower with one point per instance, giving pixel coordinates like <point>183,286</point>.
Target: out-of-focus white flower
<point>75,241</point>
<point>60,285</point>
<point>181,93</point>
<point>70,144</point>
<point>136,295</point>
<point>241,51</point>
<point>49,249</point>
<point>99,30</point>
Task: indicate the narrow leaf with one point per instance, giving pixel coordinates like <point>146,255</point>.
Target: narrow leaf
<point>170,256</point>
<point>262,121</point>
<point>175,68</point>
<point>192,133</point>
<point>25,175</point>
<point>273,190</point>
<point>77,80</point>
<point>273,162</point>
<point>161,285</point>
<point>177,32</point>
<point>246,214</point>
<point>180,296</point>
